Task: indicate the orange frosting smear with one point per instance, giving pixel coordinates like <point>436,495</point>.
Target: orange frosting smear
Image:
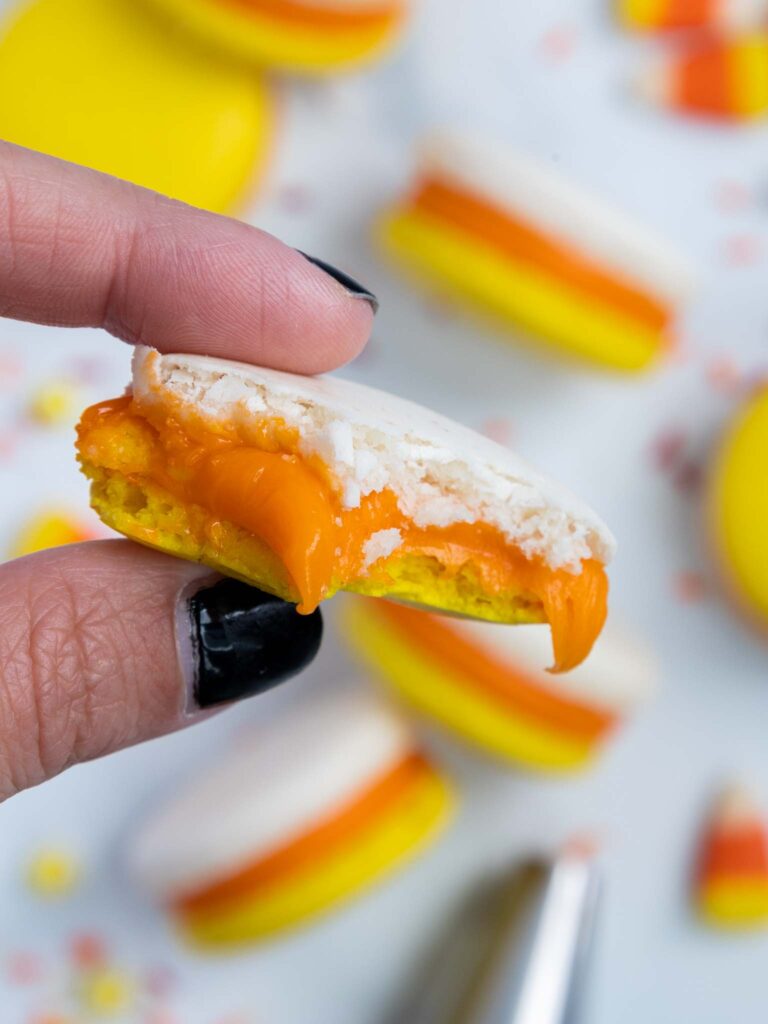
<point>741,852</point>
<point>319,17</point>
<point>509,685</point>
<point>320,842</point>
<point>521,241</point>
<point>705,81</point>
<point>288,503</point>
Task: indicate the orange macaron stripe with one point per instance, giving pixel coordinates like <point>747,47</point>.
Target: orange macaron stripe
<point>511,236</point>
<point>312,16</point>
<point>742,853</point>
<point>705,80</point>
<point>320,842</point>
<point>507,686</point>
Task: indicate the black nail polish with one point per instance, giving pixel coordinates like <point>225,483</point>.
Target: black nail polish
<point>352,286</point>
<point>245,641</point>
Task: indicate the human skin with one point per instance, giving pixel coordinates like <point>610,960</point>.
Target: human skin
<point>93,655</point>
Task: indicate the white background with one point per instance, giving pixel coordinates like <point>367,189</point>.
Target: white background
<point>551,77</point>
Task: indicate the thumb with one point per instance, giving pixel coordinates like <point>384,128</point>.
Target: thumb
<point>106,644</point>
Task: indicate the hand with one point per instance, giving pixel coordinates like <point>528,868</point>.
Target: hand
<point>96,649</point>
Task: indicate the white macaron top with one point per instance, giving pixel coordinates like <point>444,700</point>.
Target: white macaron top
<point>539,194</point>
<point>276,784</point>
<point>619,674</point>
<point>441,473</point>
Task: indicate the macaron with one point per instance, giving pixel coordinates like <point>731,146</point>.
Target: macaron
<point>304,486</point>
<point>300,36</point>
<point>676,15</point>
<point>488,685</point>
<point>737,507</point>
<point>302,814</point>
<point>517,240</point>
<point>108,86</point>
<point>731,880</point>
<point>721,78</point>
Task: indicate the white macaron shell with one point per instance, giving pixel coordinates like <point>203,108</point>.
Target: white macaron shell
<point>441,472</point>
<point>619,674</point>
<point>276,784</point>
<point>540,195</point>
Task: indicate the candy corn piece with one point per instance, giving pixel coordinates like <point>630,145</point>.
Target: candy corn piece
<point>731,885</point>
<point>674,15</point>
<point>539,256</point>
<point>488,683</point>
<point>722,78</point>
<point>301,36</point>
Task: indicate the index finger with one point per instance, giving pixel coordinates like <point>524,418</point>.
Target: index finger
<point>80,248</point>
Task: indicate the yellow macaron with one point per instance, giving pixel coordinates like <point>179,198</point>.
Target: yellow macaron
<point>738,506</point>
<point>105,84</point>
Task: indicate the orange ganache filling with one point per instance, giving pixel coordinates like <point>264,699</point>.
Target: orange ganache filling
<point>515,239</point>
<point>318,843</point>
<point>321,18</point>
<point>288,502</point>
<point>509,686</point>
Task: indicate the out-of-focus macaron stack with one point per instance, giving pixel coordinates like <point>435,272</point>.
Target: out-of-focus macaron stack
<point>488,684</point>
<point>542,256</point>
<point>299,816</point>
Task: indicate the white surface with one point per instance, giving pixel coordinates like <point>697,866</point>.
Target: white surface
<point>345,146</point>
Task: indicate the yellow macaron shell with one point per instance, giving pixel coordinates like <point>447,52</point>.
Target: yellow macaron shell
<point>738,506</point>
<point>105,84</point>
<point>285,44</point>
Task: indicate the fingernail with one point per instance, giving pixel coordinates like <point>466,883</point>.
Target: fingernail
<point>244,642</point>
<point>349,283</point>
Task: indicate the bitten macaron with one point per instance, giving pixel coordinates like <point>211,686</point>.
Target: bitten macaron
<point>299,816</point>
<point>303,486</point>
<point>517,240</point>
<point>487,683</point>
<point>300,36</point>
